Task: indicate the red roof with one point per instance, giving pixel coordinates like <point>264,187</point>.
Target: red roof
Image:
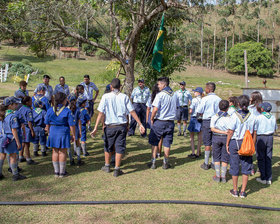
<point>71,49</point>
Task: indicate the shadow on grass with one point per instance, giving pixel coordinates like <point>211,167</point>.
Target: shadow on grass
<point>253,186</point>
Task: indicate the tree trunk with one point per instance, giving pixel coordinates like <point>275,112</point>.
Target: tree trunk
<point>214,48</point>
<point>208,48</point>
<point>201,44</point>
<point>129,78</point>
<point>272,46</point>
<point>233,35</point>
<point>226,40</point>
<point>278,67</point>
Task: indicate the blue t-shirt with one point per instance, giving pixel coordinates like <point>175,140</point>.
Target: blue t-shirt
<point>24,115</point>
<point>62,117</point>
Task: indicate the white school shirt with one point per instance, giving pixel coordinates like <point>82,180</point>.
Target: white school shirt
<point>265,125</point>
<point>209,106</point>
<point>220,121</point>
<point>194,105</point>
<point>184,97</point>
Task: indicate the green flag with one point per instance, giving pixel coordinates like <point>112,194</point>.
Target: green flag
<point>158,48</point>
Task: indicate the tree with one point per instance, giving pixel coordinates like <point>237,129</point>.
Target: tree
<point>128,20</point>
<point>259,59</point>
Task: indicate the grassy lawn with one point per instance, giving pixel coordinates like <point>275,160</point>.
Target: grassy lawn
<point>185,181</point>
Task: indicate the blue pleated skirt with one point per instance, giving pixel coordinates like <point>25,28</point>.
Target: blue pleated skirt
<point>59,137</point>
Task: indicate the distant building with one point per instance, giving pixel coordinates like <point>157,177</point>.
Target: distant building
<point>69,52</point>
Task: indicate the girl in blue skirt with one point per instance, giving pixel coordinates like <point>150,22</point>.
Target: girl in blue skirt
<point>10,140</point>
<point>60,121</point>
<point>195,125</point>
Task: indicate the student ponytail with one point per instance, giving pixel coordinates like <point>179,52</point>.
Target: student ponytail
<point>25,100</point>
<point>155,91</point>
<point>59,98</point>
<point>244,102</point>
<point>72,106</point>
<point>2,112</point>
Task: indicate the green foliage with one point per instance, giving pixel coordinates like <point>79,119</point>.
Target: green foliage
<point>101,54</point>
<point>89,49</point>
<point>259,59</point>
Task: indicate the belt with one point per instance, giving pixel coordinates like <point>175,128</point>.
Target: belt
<point>266,135</point>
<point>217,134</point>
<point>183,106</point>
<point>116,125</point>
<point>166,120</point>
<point>140,103</point>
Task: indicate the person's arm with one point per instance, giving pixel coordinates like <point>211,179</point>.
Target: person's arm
<point>255,137</point>
<point>72,129</point>
<point>229,136</point>
<point>96,95</point>
<point>31,129</point>
<point>147,114</point>
<point>15,134</point>
<point>47,128</point>
<point>98,120</point>
<point>155,110</point>
<point>23,129</point>
<point>80,127</point>
<point>218,131</point>
<point>141,127</point>
<point>190,111</point>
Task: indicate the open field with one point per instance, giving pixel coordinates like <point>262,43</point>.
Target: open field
<point>185,181</point>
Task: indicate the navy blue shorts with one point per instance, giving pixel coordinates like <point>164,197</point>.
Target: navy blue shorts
<point>164,129</point>
<point>27,137</point>
<point>194,125</point>
<point>236,160</point>
<point>77,132</point>
<point>115,136</point>
<point>182,114</point>
<point>84,133</point>
<point>206,133</point>
<point>219,149</point>
<point>40,136</point>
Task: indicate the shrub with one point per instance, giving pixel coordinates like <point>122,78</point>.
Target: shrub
<point>259,59</point>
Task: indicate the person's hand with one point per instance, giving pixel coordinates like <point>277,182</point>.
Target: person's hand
<point>227,149</point>
<point>32,134</point>
<point>142,129</point>
<point>152,121</point>
<point>93,133</point>
<point>18,146</point>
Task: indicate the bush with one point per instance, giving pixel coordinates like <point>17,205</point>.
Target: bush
<point>89,49</point>
<point>102,54</point>
<point>259,59</point>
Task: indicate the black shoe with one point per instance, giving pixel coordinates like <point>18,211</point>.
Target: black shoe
<point>22,160</point>
<point>234,193</point>
<point>242,194</point>
<point>44,154</point>
<point>18,177</point>
<point>87,154</point>
<point>31,162</point>
<point>106,169</point>
<point>213,166</point>
<point>62,175</point>
<point>1,177</point>
<point>152,165</point>
<point>72,162</point>
<point>56,175</point>
<point>80,163</point>
<point>192,156</point>
<point>18,169</point>
<point>36,154</point>
<point>179,134</point>
<point>217,179</point>
<point>205,166</point>
<point>129,134</point>
<point>118,172</point>
<point>166,166</point>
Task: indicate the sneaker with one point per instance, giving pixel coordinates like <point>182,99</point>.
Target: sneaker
<point>234,193</point>
<point>185,134</point>
<point>179,134</point>
<point>106,169</point>
<point>18,177</point>
<point>242,194</point>
<point>223,180</point>
<point>44,154</point>
<point>118,172</point>
<point>217,179</point>
<point>1,176</point>
<point>166,166</point>
<point>260,180</point>
<point>56,175</point>
<point>268,182</point>
<point>212,166</point>
<point>152,165</point>
<point>22,160</point>
<point>205,166</point>
<point>31,162</point>
<point>80,163</point>
<point>192,156</point>
<point>36,154</point>
<point>72,162</point>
